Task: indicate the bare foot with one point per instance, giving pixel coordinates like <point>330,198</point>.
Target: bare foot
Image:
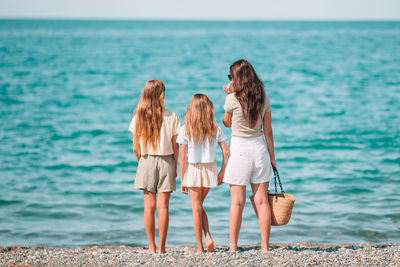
<point>161,251</point>
<point>232,248</point>
<point>210,244</point>
<point>151,250</point>
<point>264,248</point>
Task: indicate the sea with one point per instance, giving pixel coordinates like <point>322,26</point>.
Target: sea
<point>68,90</point>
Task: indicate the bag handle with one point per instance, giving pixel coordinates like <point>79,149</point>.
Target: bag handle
<point>276,177</point>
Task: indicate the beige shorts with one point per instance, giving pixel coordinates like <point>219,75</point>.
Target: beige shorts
<point>156,174</point>
<point>201,175</point>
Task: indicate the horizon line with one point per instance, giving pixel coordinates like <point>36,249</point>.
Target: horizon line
<point>205,19</point>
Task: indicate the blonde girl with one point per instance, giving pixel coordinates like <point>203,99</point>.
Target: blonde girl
<point>198,139</point>
<point>248,112</point>
<point>155,130</point>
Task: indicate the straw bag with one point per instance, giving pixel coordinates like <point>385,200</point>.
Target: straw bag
<point>281,204</point>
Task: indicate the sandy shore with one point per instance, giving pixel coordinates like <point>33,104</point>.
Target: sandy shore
<point>303,254</point>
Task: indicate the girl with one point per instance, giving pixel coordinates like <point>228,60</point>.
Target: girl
<point>248,112</point>
<point>155,130</point>
<point>198,138</point>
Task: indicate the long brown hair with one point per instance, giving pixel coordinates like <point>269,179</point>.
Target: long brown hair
<point>149,113</point>
<point>249,90</point>
<point>199,119</point>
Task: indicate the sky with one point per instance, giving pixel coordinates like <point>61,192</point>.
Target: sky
<point>203,9</point>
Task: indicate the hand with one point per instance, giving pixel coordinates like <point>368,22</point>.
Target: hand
<point>184,189</point>
<point>273,163</point>
<point>227,88</point>
<point>220,177</point>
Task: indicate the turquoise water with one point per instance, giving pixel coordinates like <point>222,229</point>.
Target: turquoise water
<point>68,90</point>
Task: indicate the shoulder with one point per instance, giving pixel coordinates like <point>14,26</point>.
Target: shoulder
<point>133,117</point>
<point>171,119</point>
<point>170,115</point>
<point>230,97</point>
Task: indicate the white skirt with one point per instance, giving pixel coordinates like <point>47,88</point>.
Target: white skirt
<point>201,175</point>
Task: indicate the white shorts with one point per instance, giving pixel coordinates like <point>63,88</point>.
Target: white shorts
<point>249,161</point>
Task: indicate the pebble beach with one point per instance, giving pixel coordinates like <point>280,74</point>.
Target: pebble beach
<point>299,254</point>
<point>68,92</point>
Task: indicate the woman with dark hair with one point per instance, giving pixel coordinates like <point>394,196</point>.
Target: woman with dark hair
<point>248,112</point>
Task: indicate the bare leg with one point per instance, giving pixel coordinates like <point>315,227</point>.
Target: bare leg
<point>260,192</point>
<point>163,218</point>
<point>209,241</point>
<point>197,210</point>
<point>149,222</point>
<point>238,199</point>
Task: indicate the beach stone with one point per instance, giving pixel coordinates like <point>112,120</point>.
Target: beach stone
<point>251,255</point>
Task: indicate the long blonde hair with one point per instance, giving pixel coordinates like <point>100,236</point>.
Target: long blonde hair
<point>199,119</point>
<point>149,113</point>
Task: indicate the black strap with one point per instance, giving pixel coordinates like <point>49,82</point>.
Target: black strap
<point>276,177</point>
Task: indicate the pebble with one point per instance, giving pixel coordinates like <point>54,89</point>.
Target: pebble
<point>304,254</point>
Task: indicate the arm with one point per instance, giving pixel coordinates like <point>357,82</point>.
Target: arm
<point>175,148</point>
<point>269,138</point>
<point>225,157</point>
<point>136,147</point>
<point>227,120</point>
<point>183,166</point>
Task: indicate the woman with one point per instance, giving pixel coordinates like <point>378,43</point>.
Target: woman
<point>155,130</point>
<point>248,112</point>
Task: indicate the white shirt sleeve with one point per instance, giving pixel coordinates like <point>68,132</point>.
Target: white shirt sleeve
<point>228,107</point>
<point>220,135</point>
<point>175,124</point>
<point>182,138</point>
<point>132,125</point>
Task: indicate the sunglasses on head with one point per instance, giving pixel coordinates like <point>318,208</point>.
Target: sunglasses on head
<point>229,77</point>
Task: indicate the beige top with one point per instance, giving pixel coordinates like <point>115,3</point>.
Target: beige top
<point>169,127</point>
<point>240,127</point>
